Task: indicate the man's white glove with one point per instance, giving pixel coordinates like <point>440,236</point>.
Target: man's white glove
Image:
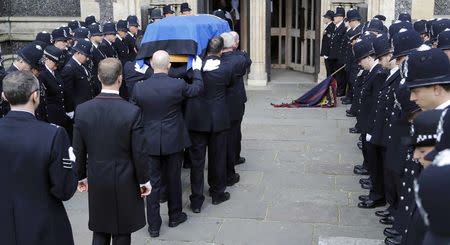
<point>197,63</point>
<point>211,65</point>
<point>70,114</point>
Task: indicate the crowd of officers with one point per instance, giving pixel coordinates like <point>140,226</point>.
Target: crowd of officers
<point>78,112</point>
<point>397,81</point>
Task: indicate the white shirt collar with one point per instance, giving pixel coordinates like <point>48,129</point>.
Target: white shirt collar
<point>110,91</point>
<point>21,110</point>
<point>79,63</point>
<point>392,72</point>
<point>94,44</point>
<point>131,34</point>
<point>117,35</point>
<point>339,24</point>
<point>373,66</point>
<point>50,70</point>
<point>444,105</point>
<point>16,67</point>
<point>108,41</point>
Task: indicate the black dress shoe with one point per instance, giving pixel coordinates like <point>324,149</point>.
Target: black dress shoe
<point>358,166</point>
<point>365,181</point>
<point>178,220</point>
<point>397,240</point>
<point>382,213</point>
<point>241,160</point>
<point>359,145</point>
<point>371,204</point>
<point>233,180</point>
<point>390,232</point>
<point>218,199</point>
<point>387,220</point>
<point>361,171</point>
<point>364,198</point>
<point>153,233</point>
<point>354,131</point>
<point>349,114</point>
<point>346,101</point>
<point>196,210</point>
<point>162,199</point>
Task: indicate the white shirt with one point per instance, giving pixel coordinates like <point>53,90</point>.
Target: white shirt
<point>50,70</point>
<point>108,41</point>
<point>338,25</point>
<point>373,66</point>
<point>392,72</point>
<point>21,110</point>
<point>443,105</point>
<point>117,35</point>
<point>109,91</point>
<point>94,44</point>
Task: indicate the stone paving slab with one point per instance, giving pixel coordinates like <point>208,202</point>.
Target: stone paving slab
<point>348,241</point>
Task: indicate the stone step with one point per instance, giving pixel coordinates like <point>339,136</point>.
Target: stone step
<point>348,241</point>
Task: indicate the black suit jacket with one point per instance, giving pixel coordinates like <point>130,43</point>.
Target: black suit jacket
<point>160,98</point>
<point>130,42</point>
<point>133,74</point>
<point>236,95</point>
<point>326,39</point>
<point>56,110</point>
<point>107,49</point>
<point>123,53</point>
<point>368,98</point>
<point>109,130</point>
<point>37,176</point>
<point>209,111</point>
<point>338,44</point>
<point>78,85</point>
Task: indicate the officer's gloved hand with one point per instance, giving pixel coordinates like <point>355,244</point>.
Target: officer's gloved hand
<point>197,63</point>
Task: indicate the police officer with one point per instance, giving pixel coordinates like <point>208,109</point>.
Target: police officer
<point>133,26</point>
<point>52,80</point>
<point>119,45</point>
<point>365,54</point>
<point>337,50</point>
<point>96,38</point>
<point>156,15</point>
<point>73,25</point>
<point>3,104</point>
<point>116,176</point>
<point>37,169</point>
<point>167,124</point>
<point>78,83</point>
<point>44,37</point>
<point>89,20</point>
<point>168,11</point>
<point>421,27</point>
<point>60,41</point>
<point>185,10</point>
<point>326,38</point>
<point>444,42</point>
<point>81,33</point>
<point>207,119</point>
<point>109,32</point>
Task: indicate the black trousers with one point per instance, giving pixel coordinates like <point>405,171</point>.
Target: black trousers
<point>170,167</point>
<point>100,238</point>
<point>340,76</point>
<point>216,143</point>
<point>328,67</point>
<point>233,147</point>
<point>364,151</point>
<point>376,170</point>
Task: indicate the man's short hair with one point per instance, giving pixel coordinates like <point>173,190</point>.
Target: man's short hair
<point>228,40</point>
<point>446,87</point>
<point>18,86</point>
<point>109,70</point>
<point>215,45</point>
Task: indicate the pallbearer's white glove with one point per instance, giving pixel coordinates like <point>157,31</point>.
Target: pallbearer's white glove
<point>70,114</point>
<point>197,63</point>
<point>211,65</point>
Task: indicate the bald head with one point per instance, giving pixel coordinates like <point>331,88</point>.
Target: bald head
<point>160,62</point>
<point>236,39</point>
<point>228,40</point>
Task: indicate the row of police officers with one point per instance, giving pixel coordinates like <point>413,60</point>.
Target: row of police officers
<point>397,83</point>
<point>78,112</point>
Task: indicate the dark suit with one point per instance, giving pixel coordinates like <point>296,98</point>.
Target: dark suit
<point>236,98</point>
<point>208,120</point>
<point>160,98</point>
<point>123,53</point>
<point>130,42</point>
<point>107,49</point>
<point>325,49</point>
<point>116,166</point>
<point>97,56</point>
<point>133,74</point>
<point>78,85</point>
<point>37,176</point>
<point>2,103</point>
<point>55,97</point>
<point>337,55</point>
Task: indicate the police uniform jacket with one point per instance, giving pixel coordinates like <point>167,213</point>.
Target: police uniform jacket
<point>97,56</point>
<point>384,105</point>
<point>107,49</point>
<point>123,53</point>
<point>109,130</point>
<point>236,95</point>
<point>37,176</point>
<point>368,96</point>
<point>2,103</point>
<point>338,44</point>
<point>55,96</point>
<point>42,110</point>
<point>130,42</point>
<point>160,98</point>
<point>326,39</point>
<point>361,76</point>
<point>209,111</point>
<point>78,84</point>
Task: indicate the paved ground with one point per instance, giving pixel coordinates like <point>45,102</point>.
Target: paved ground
<point>297,186</point>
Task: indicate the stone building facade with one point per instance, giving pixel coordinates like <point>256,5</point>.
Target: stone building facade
<point>281,34</point>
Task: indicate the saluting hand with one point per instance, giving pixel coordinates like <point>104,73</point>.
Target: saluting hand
<point>146,189</point>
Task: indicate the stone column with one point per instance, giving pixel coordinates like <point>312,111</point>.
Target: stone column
<point>258,45</point>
